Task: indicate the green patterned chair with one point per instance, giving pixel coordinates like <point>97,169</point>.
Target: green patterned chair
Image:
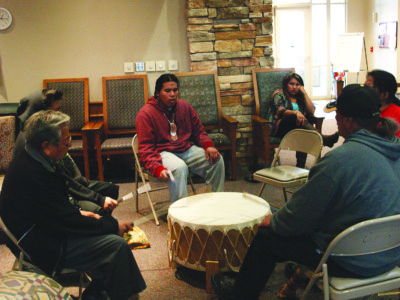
<point>24,273</point>
<point>28,285</point>
<point>75,103</point>
<point>123,97</point>
<point>201,90</point>
<point>265,82</point>
<point>7,142</point>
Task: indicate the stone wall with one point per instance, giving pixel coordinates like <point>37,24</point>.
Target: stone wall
<point>232,37</point>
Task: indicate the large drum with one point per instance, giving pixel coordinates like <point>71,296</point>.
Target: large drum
<point>213,227</point>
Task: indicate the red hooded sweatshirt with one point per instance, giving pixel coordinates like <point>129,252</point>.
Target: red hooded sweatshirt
<point>153,130</point>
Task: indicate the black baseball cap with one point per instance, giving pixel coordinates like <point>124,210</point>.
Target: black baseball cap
<point>357,100</point>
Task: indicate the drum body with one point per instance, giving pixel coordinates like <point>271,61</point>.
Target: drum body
<point>214,227</point>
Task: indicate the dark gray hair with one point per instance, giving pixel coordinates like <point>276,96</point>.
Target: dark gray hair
<point>51,96</point>
<point>45,126</point>
<point>384,127</point>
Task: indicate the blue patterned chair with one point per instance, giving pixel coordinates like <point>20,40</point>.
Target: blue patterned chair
<point>123,97</point>
<point>265,82</point>
<point>75,103</point>
<point>201,90</point>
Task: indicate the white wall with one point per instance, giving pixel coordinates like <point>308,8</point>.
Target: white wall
<point>360,19</point>
<point>87,38</point>
<point>384,58</point>
<point>93,38</point>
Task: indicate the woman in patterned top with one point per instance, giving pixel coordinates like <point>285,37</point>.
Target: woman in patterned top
<point>288,109</point>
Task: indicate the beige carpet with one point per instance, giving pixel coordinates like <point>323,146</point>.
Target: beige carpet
<point>162,281</point>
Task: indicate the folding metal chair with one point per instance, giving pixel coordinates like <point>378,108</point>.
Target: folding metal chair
<point>287,176</point>
<point>368,237</point>
<point>146,177</point>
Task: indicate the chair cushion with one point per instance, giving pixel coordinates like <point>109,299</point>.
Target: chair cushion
<point>74,101</point>
<point>117,144</point>
<point>125,97</point>
<point>27,285</point>
<point>7,141</point>
<point>347,283</point>
<point>200,91</point>
<point>76,146</point>
<point>283,173</point>
<point>219,139</point>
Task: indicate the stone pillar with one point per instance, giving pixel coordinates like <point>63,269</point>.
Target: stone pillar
<point>232,37</point>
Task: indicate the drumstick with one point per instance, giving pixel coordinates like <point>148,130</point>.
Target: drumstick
<point>126,197</point>
<point>144,219</point>
<point>171,176</point>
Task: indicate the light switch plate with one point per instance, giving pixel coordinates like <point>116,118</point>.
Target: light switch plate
<point>150,66</point>
<point>160,65</point>
<point>140,66</point>
<point>128,67</point>
<point>173,65</point>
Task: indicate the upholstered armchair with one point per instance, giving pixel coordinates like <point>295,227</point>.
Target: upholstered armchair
<point>123,97</point>
<point>201,90</point>
<point>7,142</point>
<point>265,82</point>
<point>75,103</point>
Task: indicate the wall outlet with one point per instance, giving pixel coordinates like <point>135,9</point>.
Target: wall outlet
<point>128,67</point>
<point>160,65</point>
<point>173,65</point>
<point>140,67</point>
<point>150,66</point>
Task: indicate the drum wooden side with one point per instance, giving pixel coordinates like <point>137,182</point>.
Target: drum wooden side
<point>192,248</point>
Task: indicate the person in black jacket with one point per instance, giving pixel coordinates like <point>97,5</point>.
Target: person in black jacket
<point>35,206</point>
<point>91,195</point>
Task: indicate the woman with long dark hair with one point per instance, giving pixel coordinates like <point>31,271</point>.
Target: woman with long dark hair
<point>288,110</point>
<point>289,107</point>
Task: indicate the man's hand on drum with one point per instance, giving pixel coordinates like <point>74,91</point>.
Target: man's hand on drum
<point>212,155</point>
<point>266,222</point>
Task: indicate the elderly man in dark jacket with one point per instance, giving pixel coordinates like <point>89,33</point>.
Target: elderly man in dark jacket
<point>95,196</point>
<point>35,207</point>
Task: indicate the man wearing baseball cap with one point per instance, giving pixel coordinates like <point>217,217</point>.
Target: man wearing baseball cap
<point>354,182</point>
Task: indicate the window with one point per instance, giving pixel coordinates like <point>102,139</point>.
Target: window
<point>308,43</point>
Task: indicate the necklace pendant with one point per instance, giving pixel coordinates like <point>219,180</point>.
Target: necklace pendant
<point>173,131</point>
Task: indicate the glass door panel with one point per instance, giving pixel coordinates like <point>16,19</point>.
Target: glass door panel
<point>293,41</point>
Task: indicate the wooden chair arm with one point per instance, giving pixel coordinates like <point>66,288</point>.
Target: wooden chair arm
<point>94,125</point>
<point>317,121</point>
<point>258,119</point>
<point>261,139</point>
<point>229,126</point>
<point>261,128</point>
<point>229,119</point>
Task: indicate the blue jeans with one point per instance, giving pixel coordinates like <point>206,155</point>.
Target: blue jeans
<point>193,160</point>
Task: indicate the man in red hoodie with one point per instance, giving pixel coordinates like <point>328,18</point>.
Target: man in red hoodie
<point>172,141</point>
